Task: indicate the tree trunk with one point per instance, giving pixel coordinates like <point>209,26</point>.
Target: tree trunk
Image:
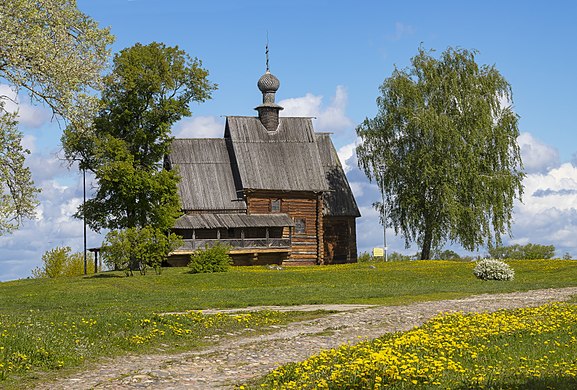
<point>427,240</point>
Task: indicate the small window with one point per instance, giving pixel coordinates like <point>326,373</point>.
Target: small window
<point>300,225</point>
<point>275,205</point>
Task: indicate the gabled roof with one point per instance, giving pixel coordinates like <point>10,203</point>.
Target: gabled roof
<point>339,200</point>
<point>213,221</point>
<point>207,175</point>
<point>286,159</point>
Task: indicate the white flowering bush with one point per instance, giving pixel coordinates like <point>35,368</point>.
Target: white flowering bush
<point>490,269</point>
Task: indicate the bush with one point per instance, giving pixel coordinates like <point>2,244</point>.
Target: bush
<point>490,269</point>
<point>364,257</point>
<point>396,256</point>
<point>60,262</point>
<point>210,259</point>
<point>138,248</point>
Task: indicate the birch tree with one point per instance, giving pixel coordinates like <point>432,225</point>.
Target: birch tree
<point>443,149</point>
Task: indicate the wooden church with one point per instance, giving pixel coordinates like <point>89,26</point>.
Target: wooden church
<point>272,189</point>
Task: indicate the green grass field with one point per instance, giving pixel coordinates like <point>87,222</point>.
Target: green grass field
<point>49,326</point>
<point>175,290</point>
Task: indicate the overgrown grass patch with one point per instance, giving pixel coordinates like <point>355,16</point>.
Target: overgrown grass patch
<point>38,341</point>
<point>530,348</point>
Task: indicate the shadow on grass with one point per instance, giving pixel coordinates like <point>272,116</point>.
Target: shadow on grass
<point>103,276</point>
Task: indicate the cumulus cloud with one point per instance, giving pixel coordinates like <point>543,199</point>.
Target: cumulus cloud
<point>22,251</point>
<point>537,156</point>
<point>548,213</point>
<point>28,115</point>
<point>54,225</point>
<point>348,156</point>
<point>331,118</point>
<point>199,127</point>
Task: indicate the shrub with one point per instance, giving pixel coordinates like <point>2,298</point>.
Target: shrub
<point>210,259</point>
<point>138,248</point>
<point>364,257</point>
<point>60,262</point>
<point>490,269</point>
<point>396,256</point>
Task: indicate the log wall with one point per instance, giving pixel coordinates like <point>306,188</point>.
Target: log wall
<point>340,241</point>
<point>307,247</point>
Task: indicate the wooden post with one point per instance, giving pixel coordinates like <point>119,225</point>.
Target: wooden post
<point>320,230</point>
<point>267,236</point>
<point>242,238</point>
<point>193,239</point>
<point>96,261</point>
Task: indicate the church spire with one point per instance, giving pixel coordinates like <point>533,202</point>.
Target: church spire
<point>268,111</point>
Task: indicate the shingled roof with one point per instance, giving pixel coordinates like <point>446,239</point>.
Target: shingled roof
<point>213,221</point>
<point>286,159</point>
<point>339,200</point>
<point>208,181</point>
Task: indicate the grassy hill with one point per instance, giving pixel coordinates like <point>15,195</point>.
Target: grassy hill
<point>388,283</point>
<point>50,325</point>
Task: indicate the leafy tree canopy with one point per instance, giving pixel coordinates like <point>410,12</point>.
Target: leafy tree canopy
<point>17,191</point>
<point>523,252</point>
<point>54,53</point>
<point>60,262</point>
<point>149,89</point>
<point>443,149</point>
<point>138,248</point>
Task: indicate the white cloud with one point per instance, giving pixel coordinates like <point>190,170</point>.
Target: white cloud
<point>29,142</point>
<point>347,156</point>
<point>200,127</point>
<point>22,250</point>
<point>537,156</point>
<point>556,188</point>
<point>61,194</point>
<point>330,118</point>
<point>308,105</point>
<point>548,213</point>
<point>401,30</point>
<point>28,115</point>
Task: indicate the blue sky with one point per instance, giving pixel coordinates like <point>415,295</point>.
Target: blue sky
<point>331,57</point>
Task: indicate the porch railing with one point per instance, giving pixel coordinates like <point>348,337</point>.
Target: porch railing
<point>236,243</point>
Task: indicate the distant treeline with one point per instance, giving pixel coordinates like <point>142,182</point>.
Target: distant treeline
<point>513,252</point>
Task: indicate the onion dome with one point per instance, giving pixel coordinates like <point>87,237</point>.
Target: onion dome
<point>268,82</point>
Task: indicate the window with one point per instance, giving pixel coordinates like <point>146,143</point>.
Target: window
<point>275,205</point>
<point>300,225</point>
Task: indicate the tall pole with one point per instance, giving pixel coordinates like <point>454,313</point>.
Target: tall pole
<point>384,225</point>
<point>84,216</point>
<point>384,216</point>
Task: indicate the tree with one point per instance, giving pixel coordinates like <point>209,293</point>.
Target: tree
<point>138,248</point>
<point>18,194</point>
<point>443,149</point>
<point>54,53</point>
<point>60,262</point>
<point>522,252</point>
<point>446,254</point>
<point>149,89</point>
